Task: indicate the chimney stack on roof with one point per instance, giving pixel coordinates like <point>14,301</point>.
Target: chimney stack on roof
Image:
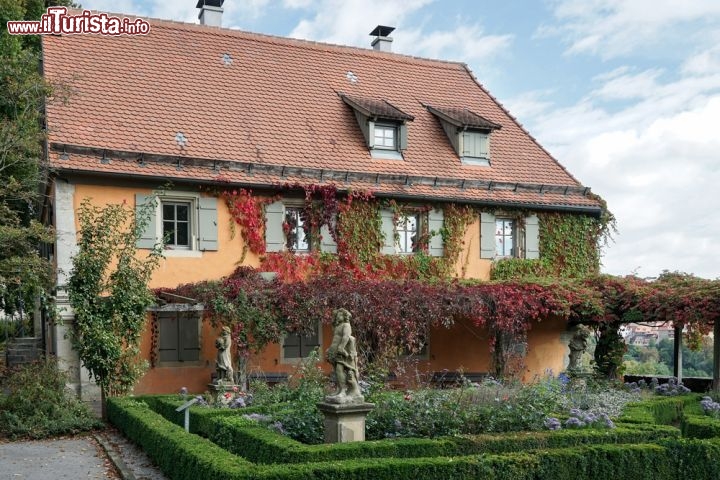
<point>210,12</point>
<point>382,41</point>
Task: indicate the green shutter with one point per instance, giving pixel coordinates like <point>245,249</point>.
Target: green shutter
<point>435,224</point>
<point>168,333</point>
<point>487,235</point>
<point>532,237</point>
<point>387,225</point>
<point>208,224</point>
<point>189,347</point>
<point>370,133</point>
<point>148,235</point>
<point>327,244</point>
<point>291,345</point>
<point>482,144</point>
<point>274,235</point>
<point>403,134</point>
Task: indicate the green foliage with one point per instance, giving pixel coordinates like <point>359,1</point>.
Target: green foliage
<point>570,243</point>
<point>609,351</point>
<point>108,293</point>
<point>633,452</point>
<point>24,274</point>
<point>38,405</point>
<point>515,268</point>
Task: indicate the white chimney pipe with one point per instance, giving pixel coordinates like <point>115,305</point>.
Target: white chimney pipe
<point>210,12</point>
<point>382,41</point>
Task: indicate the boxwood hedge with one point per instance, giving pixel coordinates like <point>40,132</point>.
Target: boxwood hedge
<point>229,446</point>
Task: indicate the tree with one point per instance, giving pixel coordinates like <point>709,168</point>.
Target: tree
<point>108,291</point>
<point>25,275</point>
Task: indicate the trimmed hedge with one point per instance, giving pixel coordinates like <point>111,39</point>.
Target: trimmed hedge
<point>184,455</point>
<point>228,429</point>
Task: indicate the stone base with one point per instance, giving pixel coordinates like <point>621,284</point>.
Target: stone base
<point>222,387</point>
<point>345,422</point>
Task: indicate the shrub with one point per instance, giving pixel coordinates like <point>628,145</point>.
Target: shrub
<point>39,406</point>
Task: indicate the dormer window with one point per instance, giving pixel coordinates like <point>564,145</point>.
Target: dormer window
<point>383,125</point>
<point>385,136</point>
<point>468,132</point>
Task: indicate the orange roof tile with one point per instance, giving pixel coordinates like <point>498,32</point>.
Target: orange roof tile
<point>252,99</point>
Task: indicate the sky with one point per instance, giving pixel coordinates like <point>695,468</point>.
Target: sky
<point>624,93</point>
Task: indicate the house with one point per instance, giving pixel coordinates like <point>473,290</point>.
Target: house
<point>205,107</point>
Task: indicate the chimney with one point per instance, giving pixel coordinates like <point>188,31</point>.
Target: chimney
<point>382,42</point>
<point>210,12</point>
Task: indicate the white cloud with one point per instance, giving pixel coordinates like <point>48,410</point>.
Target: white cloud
<point>348,22</point>
<point>656,163</point>
<point>629,86</point>
<point>616,27</point>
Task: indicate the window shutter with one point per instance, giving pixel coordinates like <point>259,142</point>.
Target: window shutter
<point>291,345</point>
<point>532,237</point>
<point>435,224</point>
<point>403,139</point>
<point>388,230</point>
<point>148,236</point>
<point>327,244</point>
<point>310,342</point>
<point>482,145</point>
<point>371,134</point>
<point>487,235</point>
<point>168,333</point>
<point>207,222</point>
<point>274,236</point>
<point>189,348</point>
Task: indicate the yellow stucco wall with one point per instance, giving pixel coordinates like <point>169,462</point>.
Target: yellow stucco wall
<point>459,347</point>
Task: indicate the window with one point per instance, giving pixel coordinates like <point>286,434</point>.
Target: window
<point>178,336</point>
<point>185,222</point>
<point>296,345</point>
<point>406,231</point>
<point>475,145</point>
<point>176,224</point>
<point>385,137</point>
<point>295,236</point>
<point>505,241</point>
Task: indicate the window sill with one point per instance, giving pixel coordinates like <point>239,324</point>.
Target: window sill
<point>475,161</point>
<point>386,154</point>
<point>182,253</point>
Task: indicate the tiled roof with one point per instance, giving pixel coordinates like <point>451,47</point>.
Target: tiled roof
<point>376,108</point>
<point>462,117</point>
<point>187,91</point>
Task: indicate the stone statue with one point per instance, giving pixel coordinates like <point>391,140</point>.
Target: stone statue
<point>578,344</point>
<point>224,359</point>
<point>342,354</point>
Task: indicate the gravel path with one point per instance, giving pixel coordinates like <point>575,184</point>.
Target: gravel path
<point>71,458</point>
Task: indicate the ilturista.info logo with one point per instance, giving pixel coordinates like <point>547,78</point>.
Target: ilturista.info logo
<point>57,21</point>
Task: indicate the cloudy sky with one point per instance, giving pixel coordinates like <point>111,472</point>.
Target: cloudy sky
<point>624,93</point>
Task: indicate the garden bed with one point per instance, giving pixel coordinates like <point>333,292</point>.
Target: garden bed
<point>226,445</point>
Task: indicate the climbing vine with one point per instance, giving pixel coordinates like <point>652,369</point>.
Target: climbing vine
<point>108,293</point>
<point>570,243</point>
<point>247,211</point>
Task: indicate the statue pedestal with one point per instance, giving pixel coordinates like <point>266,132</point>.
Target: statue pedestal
<point>216,388</point>
<point>345,422</point>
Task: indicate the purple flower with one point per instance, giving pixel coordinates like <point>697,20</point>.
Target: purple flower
<point>552,423</point>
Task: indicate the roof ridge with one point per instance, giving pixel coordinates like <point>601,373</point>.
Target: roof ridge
<point>279,39</point>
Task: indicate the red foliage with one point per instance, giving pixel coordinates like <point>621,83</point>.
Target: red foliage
<point>247,211</point>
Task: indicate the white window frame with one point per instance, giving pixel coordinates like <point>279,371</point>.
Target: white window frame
<point>296,360</point>
<point>402,248</point>
<point>516,235</point>
<point>384,128</point>
<point>193,199</point>
<point>297,212</point>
